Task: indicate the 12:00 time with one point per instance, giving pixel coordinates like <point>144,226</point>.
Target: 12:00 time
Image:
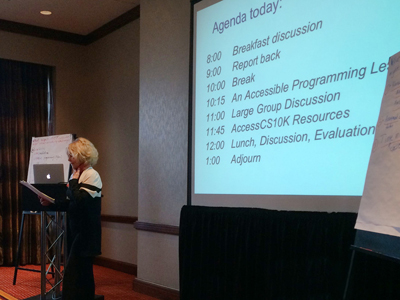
<point>219,145</point>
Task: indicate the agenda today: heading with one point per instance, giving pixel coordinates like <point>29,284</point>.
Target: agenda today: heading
<point>266,8</point>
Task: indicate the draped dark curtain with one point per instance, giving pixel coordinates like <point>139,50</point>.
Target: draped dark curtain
<point>247,253</point>
<point>25,111</point>
<point>252,254</point>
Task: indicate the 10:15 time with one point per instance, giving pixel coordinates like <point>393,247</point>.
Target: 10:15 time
<point>216,101</point>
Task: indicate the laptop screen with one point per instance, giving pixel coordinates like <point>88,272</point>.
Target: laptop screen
<point>48,173</point>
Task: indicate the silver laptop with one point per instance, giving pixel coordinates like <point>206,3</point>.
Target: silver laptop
<point>50,173</point>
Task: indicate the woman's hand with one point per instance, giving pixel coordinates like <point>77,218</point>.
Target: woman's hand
<point>43,201</point>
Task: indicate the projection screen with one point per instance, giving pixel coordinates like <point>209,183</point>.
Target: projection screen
<point>285,99</point>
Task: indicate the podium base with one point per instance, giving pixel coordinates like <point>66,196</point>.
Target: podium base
<point>48,297</point>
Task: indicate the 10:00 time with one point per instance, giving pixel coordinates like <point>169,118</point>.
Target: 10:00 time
<point>212,87</point>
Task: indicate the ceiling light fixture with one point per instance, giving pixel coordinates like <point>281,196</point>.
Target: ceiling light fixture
<point>46,12</point>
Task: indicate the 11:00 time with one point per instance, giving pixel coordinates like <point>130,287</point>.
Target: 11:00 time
<point>216,116</point>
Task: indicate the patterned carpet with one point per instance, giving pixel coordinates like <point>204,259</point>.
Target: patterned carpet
<point>113,285</point>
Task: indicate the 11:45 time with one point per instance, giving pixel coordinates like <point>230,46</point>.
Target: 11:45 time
<point>220,130</point>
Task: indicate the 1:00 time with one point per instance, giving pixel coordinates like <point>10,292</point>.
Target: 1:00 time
<point>213,160</point>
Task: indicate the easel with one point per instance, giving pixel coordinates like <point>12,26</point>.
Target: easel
<point>382,246</point>
<point>379,209</point>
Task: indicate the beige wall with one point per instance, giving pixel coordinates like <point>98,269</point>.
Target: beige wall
<point>112,122</point>
<point>96,95</point>
<point>163,134</point>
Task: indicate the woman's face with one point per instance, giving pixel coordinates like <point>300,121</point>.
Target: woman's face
<point>74,161</point>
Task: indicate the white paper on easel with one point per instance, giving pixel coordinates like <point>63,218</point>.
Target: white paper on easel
<point>380,204</point>
<point>49,150</point>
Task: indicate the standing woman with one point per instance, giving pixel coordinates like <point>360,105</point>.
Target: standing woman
<point>83,206</point>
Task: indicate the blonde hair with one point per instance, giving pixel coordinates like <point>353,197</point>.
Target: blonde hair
<point>83,150</point>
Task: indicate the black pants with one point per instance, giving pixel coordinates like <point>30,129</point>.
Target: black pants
<point>78,282</point>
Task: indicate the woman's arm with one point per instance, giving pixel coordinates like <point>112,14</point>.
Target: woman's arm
<point>75,193</point>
